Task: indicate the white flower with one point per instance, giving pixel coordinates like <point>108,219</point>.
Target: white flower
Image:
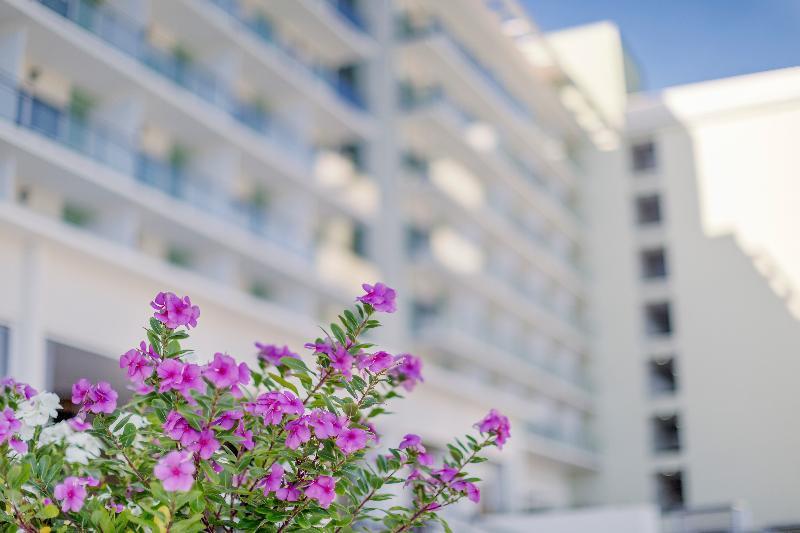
<point>55,433</point>
<point>25,432</point>
<point>39,410</point>
<point>81,447</point>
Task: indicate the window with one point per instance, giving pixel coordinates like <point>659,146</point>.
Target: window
<point>669,489</point>
<point>643,156</point>
<point>662,376</point>
<point>653,263</point>
<point>648,209</point>
<point>666,433</point>
<point>658,319</point>
<point>4,350</point>
<point>359,242</point>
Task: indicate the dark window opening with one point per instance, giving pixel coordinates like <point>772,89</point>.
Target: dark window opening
<point>657,319</point>
<point>359,242</point>
<point>666,433</point>
<point>648,209</point>
<point>669,490</point>
<point>663,376</point>
<point>643,156</point>
<point>653,263</point>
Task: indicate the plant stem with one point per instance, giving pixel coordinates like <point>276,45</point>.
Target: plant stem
<point>369,496</point>
<point>294,514</point>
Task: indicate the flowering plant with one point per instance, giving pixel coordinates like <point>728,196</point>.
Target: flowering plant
<point>222,447</point>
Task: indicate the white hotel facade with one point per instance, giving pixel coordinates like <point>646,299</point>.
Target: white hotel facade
<point>268,156</point>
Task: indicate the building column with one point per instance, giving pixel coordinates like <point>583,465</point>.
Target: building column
<point>8,180</point>
<point>383,159</point>
<point>28,362</point>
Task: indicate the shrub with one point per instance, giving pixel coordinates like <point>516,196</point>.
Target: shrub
<point>222,447</point>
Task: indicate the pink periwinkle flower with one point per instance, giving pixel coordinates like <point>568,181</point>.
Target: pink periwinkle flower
<point>79,424</point>
<point>139,367</point>
<point>413,442</point>
<point>323,423</point>
<point>90,481</point>
<point>100,398</point>
<point>498,424</point>
<point>376,362</point>
<point>175,470</point>
<point>224,373</point>
<point>408,370</point>
<point>79,390</point>
<point>204,443</point>
<point>271,406</point>
<point>472,491</point>
<point>271,353</point>
<point>297,432</point>
<point>322,489</point>
<point>273,481</point>
<point>372,432</point>
<point>23,389</point>
<point>413,476</point>
<point>173,311</point>
<point>178,376</point>
<point>175,425</point>
<point>379,296</point>
<point>9,425</point>
<point>351,440</point>
<point>425,459</point>
<point>289,493</point>
<point>446,474</point>
<point>342,361</point>
<point>320,346</point>
<point>228,419</point>
<point>71,492</point>
<point>246,435</point>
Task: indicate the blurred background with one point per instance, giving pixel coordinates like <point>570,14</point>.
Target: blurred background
<point>584,231</point>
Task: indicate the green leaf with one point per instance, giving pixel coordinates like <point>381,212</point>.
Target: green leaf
<point>339,334</point>
<point>279,379</point>
<point>295,364</point>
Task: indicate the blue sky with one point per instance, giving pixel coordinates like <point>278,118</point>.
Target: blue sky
<point>684,41</point>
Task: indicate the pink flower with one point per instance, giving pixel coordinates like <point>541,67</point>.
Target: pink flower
<point>246,435</point>
<point>446,474</point>
<point>180,377</point>
<point>472,491</point>
<point>270,353</point>
<point>174,311</point>
<point>319,346</point>
<point>206,444</point>
<point>323,423</point>
<point>175,425</point>
<point>425,459</point>
<point>100,398</point>
<point>413,442</point>
<point>228,419</point>
<point>271,406</point>
<point>342,361</point>
<point>175,470</point>
<point>322,489</point>
<point>498,424</point>
<point>91,481</point>
<point>139,367</point>
<point>9,425</point>
<point>379,296</point>
<point>372,432</point>
<point>79,390</point>
<point>22,389</point>
<point>79,424</point>
<point>408,371</point>
<point>414,475</point>
<point>223,372</point>
<point>297,432</point>
<point>71,493</point>
<point>351,440</point>
<point>290,493</point>
<point>273,481</point>
<point>376,362</point>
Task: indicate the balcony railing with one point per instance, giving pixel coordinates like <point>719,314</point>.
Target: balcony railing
<point>432,322</point>
<point>346,10</point>
<point>109,147</point>
<point>261,28</point>
<point>409,31</point>
<point>129,37</point>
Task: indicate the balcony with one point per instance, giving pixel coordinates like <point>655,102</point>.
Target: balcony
<point>117,151</point>
<point>261,28</point>
<point>434,29</point>
<point>129,37</point>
